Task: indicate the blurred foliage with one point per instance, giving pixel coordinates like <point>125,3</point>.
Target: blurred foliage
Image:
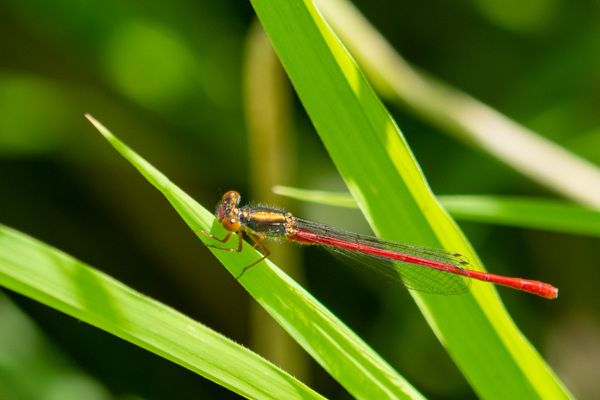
<point>167,77</point>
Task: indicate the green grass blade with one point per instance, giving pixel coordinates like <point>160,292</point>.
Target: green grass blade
<point>57,280</point>
<point>381,173</point>
<point>317,196</point>
<point>345,356</point>
<point>534,213</point>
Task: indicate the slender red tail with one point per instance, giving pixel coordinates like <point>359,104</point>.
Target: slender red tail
<point>438,262</point>
<point>534,287</point>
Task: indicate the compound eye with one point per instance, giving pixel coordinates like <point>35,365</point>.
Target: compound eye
<point>231,197</point>
<point>231,224</point>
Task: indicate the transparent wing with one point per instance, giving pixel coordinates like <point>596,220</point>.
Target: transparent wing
<point>412,275</point>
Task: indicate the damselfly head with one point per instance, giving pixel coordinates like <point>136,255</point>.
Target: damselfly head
<point>227,211</point>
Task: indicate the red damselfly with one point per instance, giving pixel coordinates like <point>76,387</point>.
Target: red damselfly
<point>416,267</point>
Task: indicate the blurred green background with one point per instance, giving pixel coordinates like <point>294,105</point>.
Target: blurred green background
<point>168,79</point>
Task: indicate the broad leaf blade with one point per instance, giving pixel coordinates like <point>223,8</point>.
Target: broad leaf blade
<point>345,356</point>
<point>57,280</point>
<point>380,171</point>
